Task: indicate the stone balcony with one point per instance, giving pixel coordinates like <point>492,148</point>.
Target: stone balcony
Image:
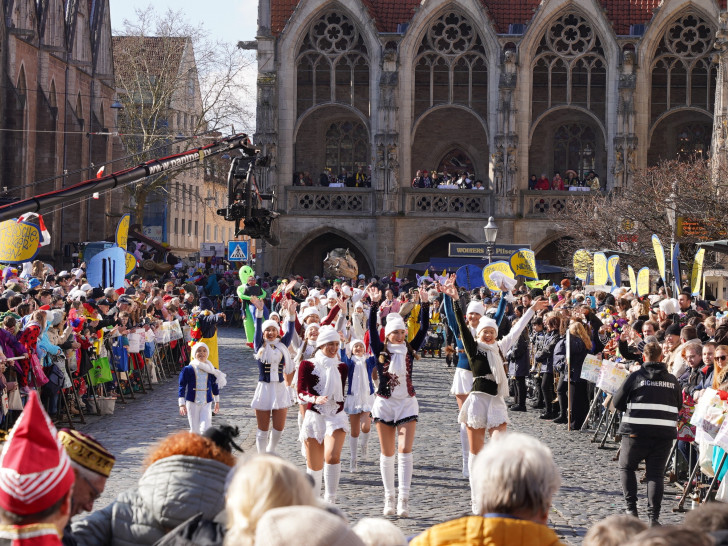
<point>447,202</point>
<point>318,200</point>
<point>538,204</point>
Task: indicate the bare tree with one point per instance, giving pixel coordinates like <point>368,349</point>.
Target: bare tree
<point>176,86</point>
<point>623,221</point>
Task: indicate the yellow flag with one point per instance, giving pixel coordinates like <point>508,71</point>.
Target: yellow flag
<point>523,263</point>
<point>600,268</point>
<point>19,241</point>
<point>659,255</point>
<point>122,231</point>
<point>502,266</point>
<point>697,272</point>
<point>643,282</point>
<point>613,270</point>
<point>632,279</point>
<point>582,264</point>
<point>131,262</point>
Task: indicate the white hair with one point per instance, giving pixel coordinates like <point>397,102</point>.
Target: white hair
<point>515,473</point>
<point>379,532</point>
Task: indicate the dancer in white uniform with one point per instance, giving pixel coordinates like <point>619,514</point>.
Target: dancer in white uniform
<point>199,385</point>
<point>359,397</point>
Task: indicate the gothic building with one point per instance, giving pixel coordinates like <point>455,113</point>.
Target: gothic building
<point>500,88</point>
<point>57,112</point>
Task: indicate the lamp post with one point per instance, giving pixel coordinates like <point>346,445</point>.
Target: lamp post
<point>491,233</point>
<point>671,214</point>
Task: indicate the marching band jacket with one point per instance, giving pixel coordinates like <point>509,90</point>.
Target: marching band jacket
<point>383,356</point>
<point>308,381</point>
<point>188,384</point>
<point>264,368</point>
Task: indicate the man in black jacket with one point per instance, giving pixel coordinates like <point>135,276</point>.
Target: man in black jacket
<point>650,399</point>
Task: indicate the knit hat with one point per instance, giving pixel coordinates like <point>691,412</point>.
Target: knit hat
<point>310,311</point>
<point>331,294</point>
<point>85,451</point>
<point>669,306</point>
<point>270,323</point>
<point>35,471</point>
<point>476,306</point>
<point>672,330</point>
<point>327,334</point>
<point>353,342</point>
<point>394,322</point>
<point>486,322</point>
<point>286,525</point>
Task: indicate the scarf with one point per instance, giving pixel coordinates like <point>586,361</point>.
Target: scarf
<point>267,355</point>
<point>330,383</point>
<point>359,380</point>
<point>398,362</point>
<point>496,366</point>
<point>207,367</point>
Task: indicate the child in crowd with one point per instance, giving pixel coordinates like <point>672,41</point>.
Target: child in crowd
<point>199,385</point>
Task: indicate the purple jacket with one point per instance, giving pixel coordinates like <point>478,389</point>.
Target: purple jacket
<point>10,345</point>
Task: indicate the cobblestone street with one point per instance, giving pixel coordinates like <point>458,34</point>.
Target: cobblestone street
<point>590,479</point>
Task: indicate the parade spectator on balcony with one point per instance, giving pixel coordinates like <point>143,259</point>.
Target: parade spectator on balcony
<point>532,181</point>
<point>592,180</point>
<point>436,179</point>
<point>478,185</point>
<point>345,178</point>
<point>324,178</point>
<point>572,179</point>
<point>557,183</point>
<point>361,179</point>
<point>464,181</point>
<point>445,177</point>
<point>543,183</point>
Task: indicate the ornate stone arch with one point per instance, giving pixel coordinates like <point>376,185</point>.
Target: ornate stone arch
<point>430,237</point>
<point>360,251</point>
<point>584,111</point>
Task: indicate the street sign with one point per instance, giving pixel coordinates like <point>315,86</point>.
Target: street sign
<point>238,251</point>
<point>500,252</point>
<point>212,250</point>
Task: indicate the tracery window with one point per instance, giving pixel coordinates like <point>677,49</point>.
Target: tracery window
<point>347,146</point>
<point>569,68</point>
<point>451,67</point>
<point>574,148</point>
<point>682,74</point>
<point>693,140</point>
<point>333,64</point>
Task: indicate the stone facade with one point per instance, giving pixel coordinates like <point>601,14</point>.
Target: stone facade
<point>57,96</point>
<point>504,89</point>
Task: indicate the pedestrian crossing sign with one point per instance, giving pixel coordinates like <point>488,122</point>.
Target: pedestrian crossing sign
<point>237,251</point>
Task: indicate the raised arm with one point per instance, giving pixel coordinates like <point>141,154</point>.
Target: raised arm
<point>258,338</point>
<point>374,342</point>
<point>288,335</point>
<point>469,344</point>
<point>421,334</point>
<point>507,342</point>
<point>501,311</point>
<point>450,315</point>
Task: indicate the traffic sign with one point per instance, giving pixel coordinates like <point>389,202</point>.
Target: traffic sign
<point>238,251</point>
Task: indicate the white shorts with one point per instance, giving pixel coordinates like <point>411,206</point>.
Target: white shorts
<point>317,426</point>
<point>395,411</point>
<point>462,382</point>
<point>481,410</point>
<point>358,404</point>
<point>271,396</point>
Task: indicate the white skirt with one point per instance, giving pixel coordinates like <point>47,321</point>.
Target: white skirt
<point>481,410</point>
<point>358,403</point>
<point>319,426</point>
<point>462,381</point>
<point>271,396</point>
<point>395,411</point>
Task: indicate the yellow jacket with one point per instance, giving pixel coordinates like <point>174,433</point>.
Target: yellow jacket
<point>413,323</point>
<point>476,530</point>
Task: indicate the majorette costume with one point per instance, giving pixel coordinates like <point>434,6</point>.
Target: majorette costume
<point>205,329</point>
<point>395,403</point>
<point>35,473</point>
<point>199,386</point>
<point>485,406</point>
<point>359,393</point>
<point>323,376</point>
<point>272,393</point>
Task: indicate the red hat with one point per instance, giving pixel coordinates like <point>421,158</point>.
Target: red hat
<point>44,308</point>
<point>35,470</point>
<point>120,291</point>
<point>167,297</point>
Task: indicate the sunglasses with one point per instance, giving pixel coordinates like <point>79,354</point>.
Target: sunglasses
<point>721,357</point>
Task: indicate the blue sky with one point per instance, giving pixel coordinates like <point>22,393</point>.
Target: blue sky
<point>229,20</point>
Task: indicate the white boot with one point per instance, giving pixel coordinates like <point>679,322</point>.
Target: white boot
<point>473,504</point>
<point>465,444</point>
<point>303,444</point>
<point>353,444</point>
<point>275,437</point>
<point>386,465</point>
<point>364,442</point>
<point>332,473</point>
<point>261,440</point>
<point>405,465</point>
<point>316,475</point>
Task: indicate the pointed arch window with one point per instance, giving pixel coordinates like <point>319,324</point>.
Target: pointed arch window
<point>682,74</point>
<point>347,146</point>
<point>574,148</point>
<point>451,66</point>
<point>332,65</point>
<point>569,68</point>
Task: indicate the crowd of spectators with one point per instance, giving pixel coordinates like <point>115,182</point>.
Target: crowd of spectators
<point>359,179</point>
<point>461,180</point>
<point>572,180</point>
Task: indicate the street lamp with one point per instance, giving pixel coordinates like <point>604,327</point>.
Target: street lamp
<point>491,233</point>
<point>671,214</point>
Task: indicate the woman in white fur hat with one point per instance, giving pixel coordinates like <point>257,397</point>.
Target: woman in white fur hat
<point>275,367</point>
<point>485,407</point>
<point>321,383</point>
<point>359,397</point>
<point>395,406</point>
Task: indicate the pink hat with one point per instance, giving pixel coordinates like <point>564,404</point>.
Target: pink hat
<point>35,471</point>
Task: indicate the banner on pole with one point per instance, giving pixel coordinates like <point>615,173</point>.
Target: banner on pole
<point>613,271</point>
<point>523,263</point>
<point>675,266</point>
<point>122,231</point>
<point>19,241</point>
<point>632,279</point>
<point>600,268</point>
<point>501,266</point>
<point>643,282</point>
<point>695,280</point>
<point>582,264</point>
<point>659,255</point>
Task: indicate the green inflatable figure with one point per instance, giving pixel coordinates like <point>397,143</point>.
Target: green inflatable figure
<point>245,291</point>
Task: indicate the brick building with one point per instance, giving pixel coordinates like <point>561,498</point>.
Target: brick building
<point>500,88</point>
<point>57,114</point>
